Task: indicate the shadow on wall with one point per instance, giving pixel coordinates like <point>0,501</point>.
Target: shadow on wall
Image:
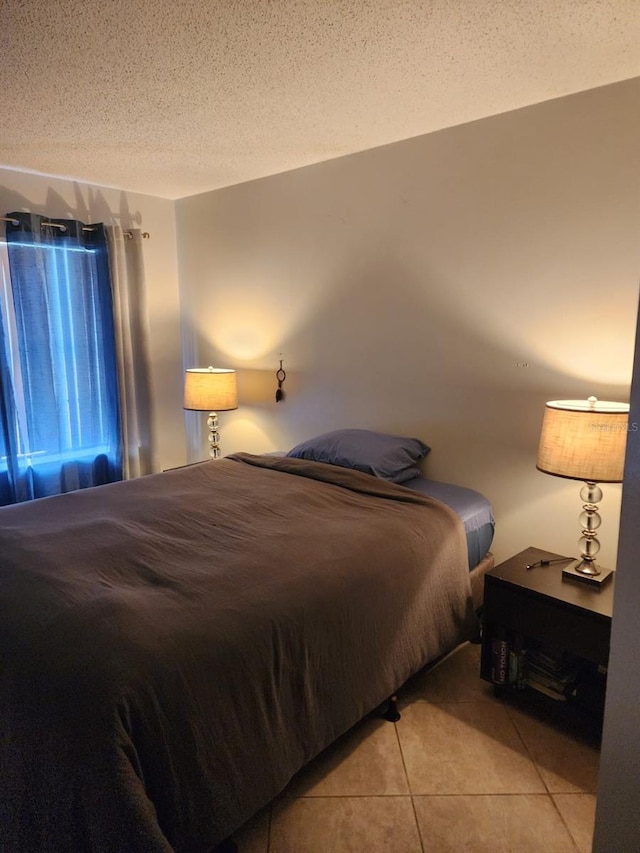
<point>394,345</point>
<point>256,385</point>
<point>90,206</point>
<point>259,424</point>
<point>387,350</point>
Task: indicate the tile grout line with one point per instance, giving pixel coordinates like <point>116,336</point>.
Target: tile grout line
<point>443,701</point>
<point>404,766</point>
<point>406,776</point>
<point>564,823</point>
<point>527,750</point>
<point>446,702</point>
<point>442,794</point>
<point>535,764</point>
<point>358,796</point>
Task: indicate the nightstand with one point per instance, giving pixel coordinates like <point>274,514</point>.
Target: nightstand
<point>543,632</point>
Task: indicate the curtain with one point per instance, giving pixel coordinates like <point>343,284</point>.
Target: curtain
<point>59,403</point>
<point>132,346</point>
<point>12,487</point>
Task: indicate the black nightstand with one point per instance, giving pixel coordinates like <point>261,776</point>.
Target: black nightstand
<point>546,633</point>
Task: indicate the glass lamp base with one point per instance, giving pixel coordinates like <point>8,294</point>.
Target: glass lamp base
<point>587,567</point>
<point>214,436</point>
<point>573,572</point>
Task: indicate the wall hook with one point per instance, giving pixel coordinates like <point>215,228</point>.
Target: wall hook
<point>280,376</point>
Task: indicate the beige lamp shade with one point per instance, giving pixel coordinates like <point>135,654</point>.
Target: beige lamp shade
<point>584,440</point>
<point>210,389</point>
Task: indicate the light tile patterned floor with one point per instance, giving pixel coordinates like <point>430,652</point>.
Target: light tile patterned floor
<point>460,772</point>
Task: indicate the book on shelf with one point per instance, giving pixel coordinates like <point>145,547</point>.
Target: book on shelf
<point>507,659</point>
<point>500,658</point>
<point>558,695</point>
<point>517,662</point>
<point>550,673</point>
<point>562,677</point>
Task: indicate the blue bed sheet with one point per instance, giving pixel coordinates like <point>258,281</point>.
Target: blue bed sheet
<point>472,507</point>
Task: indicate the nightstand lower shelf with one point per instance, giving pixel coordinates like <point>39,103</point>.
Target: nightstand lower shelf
<point>546,634</point>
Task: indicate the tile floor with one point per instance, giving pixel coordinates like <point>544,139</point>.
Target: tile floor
<point>460,771</point>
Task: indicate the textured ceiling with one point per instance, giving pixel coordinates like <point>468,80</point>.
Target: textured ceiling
<point>176,97</point>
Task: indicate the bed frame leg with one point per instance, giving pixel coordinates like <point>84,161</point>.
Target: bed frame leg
<point>392,714</point>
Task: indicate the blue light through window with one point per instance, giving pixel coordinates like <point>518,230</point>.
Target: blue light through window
<point>60,346</point>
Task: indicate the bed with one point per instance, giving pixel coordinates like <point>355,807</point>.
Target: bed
<point>175,648</point>
<point>476,513</point>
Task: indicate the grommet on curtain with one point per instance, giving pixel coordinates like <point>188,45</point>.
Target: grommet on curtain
<point>280,376</point>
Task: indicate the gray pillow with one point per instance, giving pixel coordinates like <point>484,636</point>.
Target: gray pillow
<point>392,457</point>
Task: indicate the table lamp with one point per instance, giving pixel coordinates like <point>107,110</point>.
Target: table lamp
<point>213,390</point>
<point>585,440</point>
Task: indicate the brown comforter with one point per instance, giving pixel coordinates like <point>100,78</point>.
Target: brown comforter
<point>175,648</point>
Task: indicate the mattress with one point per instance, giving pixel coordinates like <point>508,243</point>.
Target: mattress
<point>472,507</point>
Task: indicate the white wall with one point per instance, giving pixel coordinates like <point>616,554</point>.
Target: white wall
<point>404,284</point>
<point>56,197</point>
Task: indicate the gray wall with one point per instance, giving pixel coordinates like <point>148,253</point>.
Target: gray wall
<point>618,801</point>
<point>404,285</point>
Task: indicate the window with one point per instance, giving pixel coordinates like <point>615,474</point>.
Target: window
<point>59,426</point>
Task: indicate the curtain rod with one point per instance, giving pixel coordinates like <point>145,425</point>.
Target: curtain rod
<point>127,234</point>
